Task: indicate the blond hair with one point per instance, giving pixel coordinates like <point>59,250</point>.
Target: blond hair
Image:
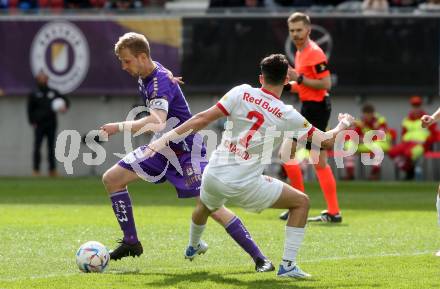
<point>135,42</point>
<point>298,16</point>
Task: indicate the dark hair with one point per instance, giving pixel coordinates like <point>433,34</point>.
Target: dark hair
<point>298,16</point>
<point>368,108</point>
<point>274,68</point>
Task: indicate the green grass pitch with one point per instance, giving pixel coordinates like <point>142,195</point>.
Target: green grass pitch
<point>387,240</point>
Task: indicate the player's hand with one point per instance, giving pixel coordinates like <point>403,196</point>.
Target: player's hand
<point>175,79</point>
<point>178,79</point>
<point>346,119</point>
<point>149,152</point>
<point>154,147</point>
<point>427,120</point>
<point>110,128</point>
<point>292,74</point>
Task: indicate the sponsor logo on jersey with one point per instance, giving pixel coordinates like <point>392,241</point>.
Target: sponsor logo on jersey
<point>264,104</point>
<point>233,148</point>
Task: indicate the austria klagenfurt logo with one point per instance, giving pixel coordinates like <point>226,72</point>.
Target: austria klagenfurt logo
<point>61,51</point>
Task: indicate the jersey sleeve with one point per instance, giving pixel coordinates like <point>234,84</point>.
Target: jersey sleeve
<point>299,125</point>
<point>319,64</point>
<point>229,101</point>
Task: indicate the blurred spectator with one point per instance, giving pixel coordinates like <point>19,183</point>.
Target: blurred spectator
<point>98,3</point>
<point>11,4</point>
<point>405,3</point>
<point>54,4</point>
<point>3,4</point>
<point>235,3</point>
<point>328,2</point>
<point>284,3</point>
<point>350,6</point>
<point>415,139</point>
<point>430,6</point>
<point>374,6</point>
<point>27,4</point>
<point>370,120</point>
<point>77,4</point>
<point>42,107</point>
<point>125,4</point>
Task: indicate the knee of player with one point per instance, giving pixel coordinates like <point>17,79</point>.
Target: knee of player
<point>216,216</point>
<point>438,190</point>
<point>202,210</point>
<point>304,201</point>
<point>107,178</point>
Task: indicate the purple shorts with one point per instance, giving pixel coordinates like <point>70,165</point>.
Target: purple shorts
<point>159,169</point>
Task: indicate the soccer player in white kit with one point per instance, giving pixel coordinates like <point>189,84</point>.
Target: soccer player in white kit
<point>260,121</point>
<point>427,120</point>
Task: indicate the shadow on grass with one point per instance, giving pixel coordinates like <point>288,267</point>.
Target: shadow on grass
<point>222,280</point>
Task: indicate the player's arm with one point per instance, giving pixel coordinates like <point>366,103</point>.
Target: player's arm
<point>194,124</point>
<point>327,139</point>
<point>299,79</point>
<point>155,122</point>
<point>427,120</point>
<point>319,66</point>
<point>323,83</point>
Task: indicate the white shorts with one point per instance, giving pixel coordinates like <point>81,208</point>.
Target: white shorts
<point>255,197</point>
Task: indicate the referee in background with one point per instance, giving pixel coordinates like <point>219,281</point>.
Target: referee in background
<point>311,80</point>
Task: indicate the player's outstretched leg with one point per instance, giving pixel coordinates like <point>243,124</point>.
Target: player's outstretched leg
<point>298,205</point>
<point>243,238</point>
<point>197,246</point>
<point>115,181</point>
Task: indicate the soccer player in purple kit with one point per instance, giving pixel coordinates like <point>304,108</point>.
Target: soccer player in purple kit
<point>162,95</point>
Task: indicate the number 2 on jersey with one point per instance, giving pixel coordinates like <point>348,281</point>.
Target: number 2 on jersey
<point>260,120</point>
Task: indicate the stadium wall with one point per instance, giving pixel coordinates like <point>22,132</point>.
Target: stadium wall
<point>88,113</point>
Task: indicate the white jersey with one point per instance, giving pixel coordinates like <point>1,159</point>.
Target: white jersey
<point>257,123</point>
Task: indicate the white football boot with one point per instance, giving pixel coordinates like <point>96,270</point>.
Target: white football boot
<point>191,252</point>
<point>287,269</point>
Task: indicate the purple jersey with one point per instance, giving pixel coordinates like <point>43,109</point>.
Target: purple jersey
<point>159,91</point>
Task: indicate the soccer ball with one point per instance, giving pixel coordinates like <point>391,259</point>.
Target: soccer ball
<point>58,104</point>
<point>92,257</point>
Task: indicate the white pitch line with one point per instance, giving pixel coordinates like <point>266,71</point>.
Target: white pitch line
<point>34,277</point>
<point>47,276</point>
<point>367,256</point>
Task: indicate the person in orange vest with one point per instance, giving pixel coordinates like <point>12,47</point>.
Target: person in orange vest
<point>415,139</point>
<point>311,80</point>
<point>370,120</point>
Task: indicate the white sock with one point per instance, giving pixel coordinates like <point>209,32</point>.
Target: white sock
<point>292,243</point>
<point>438,209</point>
<point>195,233</point>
